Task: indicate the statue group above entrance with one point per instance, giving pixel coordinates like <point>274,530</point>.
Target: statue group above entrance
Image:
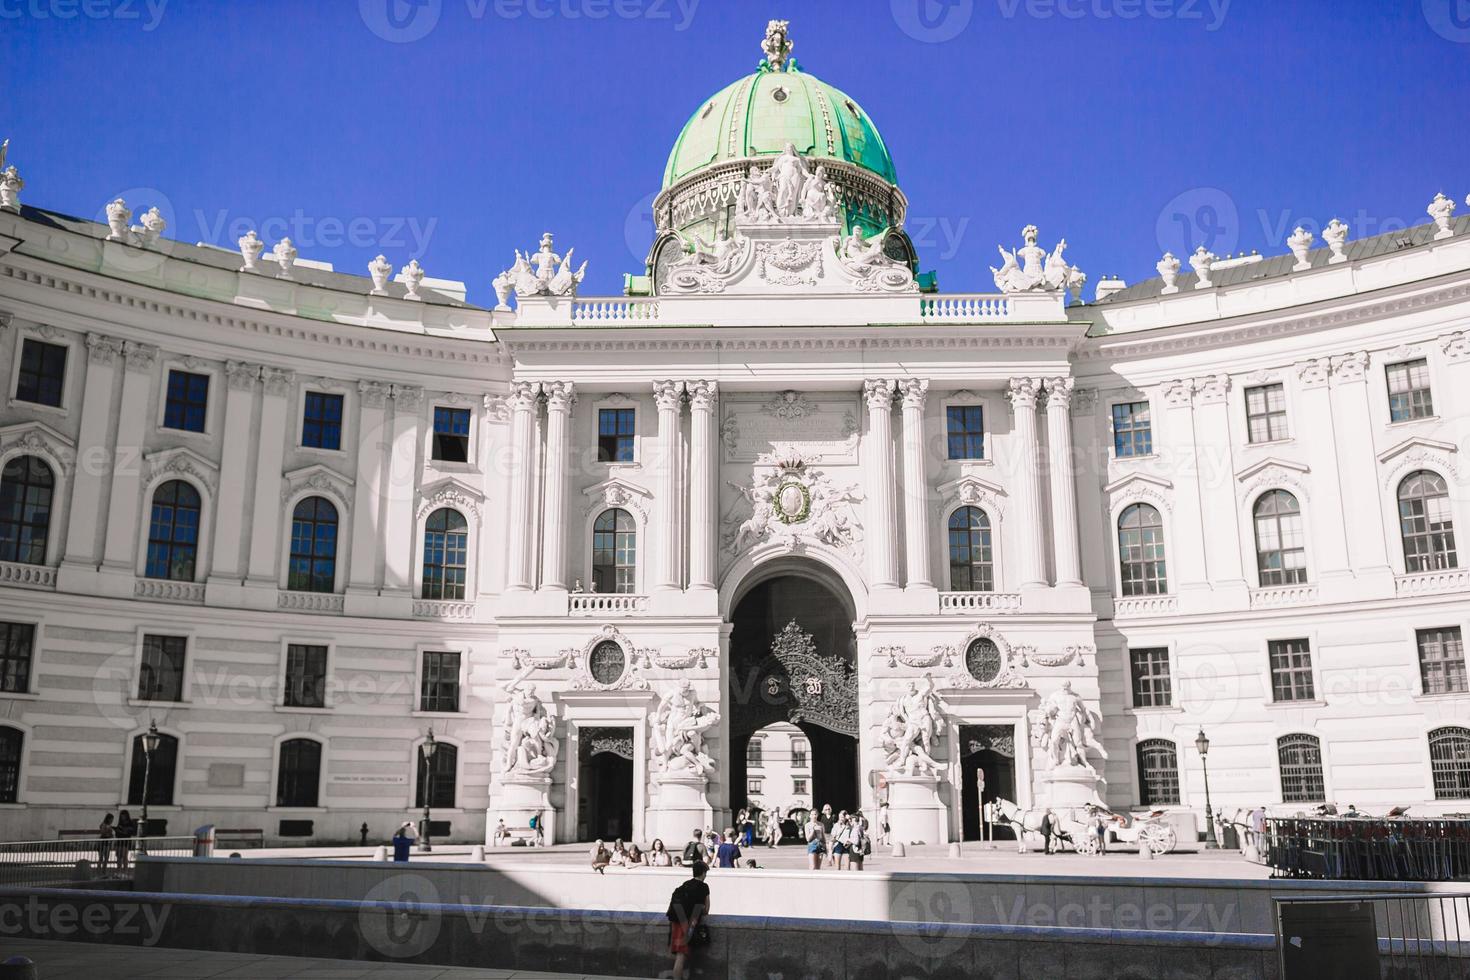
<point>914,724</point>
<point>788,192</point>
<point>530,745</point>
<point>679,723</point>
<point>792,500</point>
<point>1065,728</point>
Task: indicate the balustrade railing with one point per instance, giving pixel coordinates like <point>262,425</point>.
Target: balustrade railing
<point>588,603</point>
<point>169,591</point>
<point>1428,583</point>
<point>993,602</point>
<point>318,602</point>
<point>960,307</point>
<point>614,310</point>
<point>1145,605</point>
<point>443,609</point>
<point>1272,596</point>
<point>33,576</point>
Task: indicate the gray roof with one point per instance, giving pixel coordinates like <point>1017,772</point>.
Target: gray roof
<point>1275,266</point>
<point>220,258</point>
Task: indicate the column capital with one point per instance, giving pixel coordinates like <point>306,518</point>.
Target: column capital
<point>278,381</point>
<point>1350,367</point>
<point>140,357</point>
<point>241,375</point>
<point>1059,393</point>
<point>666,394</point>
<point>702,395</point>
<point>914,392</point>
<point>1178,393</point>
<point>407,397</point>
<point>522,395</point>
<point>1212,389</point>
<point>1022,393</point>
<point>374,394</point>
<point>878,393</point>
<point>102,349</point>
<point>1314,373</point>
<point>559,395</point>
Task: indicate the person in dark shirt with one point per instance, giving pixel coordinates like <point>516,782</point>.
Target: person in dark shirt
<point>729,851</point>
<point>687,908</point>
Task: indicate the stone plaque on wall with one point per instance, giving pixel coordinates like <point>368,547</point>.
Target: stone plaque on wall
<point>823,424</point>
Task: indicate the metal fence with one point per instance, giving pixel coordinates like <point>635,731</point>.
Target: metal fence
<point>52,862</point>
<point>1372,937</point>
<point>1376,849</point>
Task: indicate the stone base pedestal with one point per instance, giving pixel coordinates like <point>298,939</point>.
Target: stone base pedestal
<point>1067,786</point>
<point>915,814</point>
<point>678,806</point>
<point>516,799</point>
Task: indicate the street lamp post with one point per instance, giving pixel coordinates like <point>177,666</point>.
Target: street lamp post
<point>428,749</point>
<point>1202,744</point>
<point>150,745</point>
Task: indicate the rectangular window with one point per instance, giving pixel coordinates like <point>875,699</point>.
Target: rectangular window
<point>965,425</point>
<point>1152,686</point>
<point>187,401</point>
<point>321,421</point>
<point>439,688</point>
<point>615,435</point>
<point>42,373</point>
<point>1442,661</point>
<point>753,786</point>
<point>753,754</point>
<point>1132,430</point>
<point>798,755</point>
<point>17,648</point>
<point>1265,412</point>
<point>452,434</point>
<point>1291,670</point>
<point>798,786</point>
<point>161,675</point>
<point>306,676</point>
<point>1408,391</point>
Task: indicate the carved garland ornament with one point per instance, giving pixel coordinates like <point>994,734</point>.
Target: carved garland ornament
<point>985,646</point>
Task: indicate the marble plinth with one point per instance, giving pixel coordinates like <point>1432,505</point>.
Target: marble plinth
<point>679,805</point>
<point>915,813</point>
<point>518,798</point>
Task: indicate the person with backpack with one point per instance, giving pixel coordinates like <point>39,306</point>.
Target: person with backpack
<point>688,907</point>
<point>694,851</point>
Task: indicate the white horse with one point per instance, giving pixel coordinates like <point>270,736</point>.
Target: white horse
<point>1023,821</point>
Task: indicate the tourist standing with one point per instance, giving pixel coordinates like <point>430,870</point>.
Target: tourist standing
<point>105,835</point>
<point>841,837</point>
<point>127,828</point>
<point>816,842</point>
<point>859,843</point>
<point>1048,829</point>
<point>773,828</point>
<point>688,907</point>
<point>883,831</point>
<point>538,831</point>
<point>728,852</point>
<point>659,856</point>
<point>695,850</point>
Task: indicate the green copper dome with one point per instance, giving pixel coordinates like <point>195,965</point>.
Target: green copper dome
<point>759,114</point>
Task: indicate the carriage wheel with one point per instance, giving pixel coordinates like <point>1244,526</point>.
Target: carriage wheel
<point>1160,838</point>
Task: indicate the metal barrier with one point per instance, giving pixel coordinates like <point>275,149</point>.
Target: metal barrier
<point>1373,936</point>
<point>1368,849</point>
<point>52,862</point>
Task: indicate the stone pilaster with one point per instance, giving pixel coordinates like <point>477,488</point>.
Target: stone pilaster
<point>914,392</point>
<point>1022,394</point>
<point>1066,554</point>
<point>703,479</point>
<point>522,400</point>
<point>559,398</point>
<point>667,395</point>
<point>132,426</point>
<point>265,528</point>
<point>882,515</point>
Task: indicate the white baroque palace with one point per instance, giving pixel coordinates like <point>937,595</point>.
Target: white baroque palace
<point>972,545</point>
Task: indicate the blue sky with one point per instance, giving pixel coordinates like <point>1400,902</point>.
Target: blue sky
<point>1127,126</point>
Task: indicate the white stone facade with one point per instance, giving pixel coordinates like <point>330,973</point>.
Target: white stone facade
<point>790,415</point>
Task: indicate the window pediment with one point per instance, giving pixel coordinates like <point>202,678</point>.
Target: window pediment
<point>1273,472</point>
<point>617,492</point>
<point>40,439</point>
<point>320,478</point>
<point>182,461</point>
<point>972,490</point>
<point>1141,486</point>
<point>1419,453</point>
<point>450,492</point>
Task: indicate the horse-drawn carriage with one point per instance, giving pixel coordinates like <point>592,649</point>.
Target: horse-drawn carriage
<point>1075,826</point>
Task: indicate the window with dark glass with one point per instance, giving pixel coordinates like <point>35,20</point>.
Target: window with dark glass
<point>161,672</point>
<point>971,557</point>
<point>1265,413</point>
<point>1158,773</point>
<point>1449,761</point>
<point>965,427</point>
<point>1300,758</point>
<point>753,754</point>
<point>26,485</point>
<point>1408,391</point>
<point>798,754</point>
<point>321,421</point>
<point>614,552</point>
<point>452,434</point>
<point>1291,670</point>
<point>17,653</point>
<point>1141,551</point>
<point>12,744</point>
<point>615,435</point>
<point>446,554</point>
<point>753,786</point>
<point>441,789</point>
<point>160,772</point>
<point>1152,685</point>
<point>1132,430</point>
<point>42,373</point>
<point>299,773</point>
<point>439,685</point>
<point>313,564</point>
<point>1426,526</point>
<point>1281,548</point>
<point>1442,660</point>
<point>306,676</point>
<point>798,786</point>
<point>186,401</point>
<point>173,532</point>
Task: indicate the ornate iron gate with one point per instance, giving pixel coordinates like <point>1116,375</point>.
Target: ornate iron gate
<point>798,684</point>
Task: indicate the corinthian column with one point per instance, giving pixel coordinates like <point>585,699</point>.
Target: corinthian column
<point>703,464</point>
<point>882,518</point>
<point>522,400</point>
<point>1065,552</point>
<point>667,394</point>
<point>559,398</point>
<point>915,487</point>
<point>1022,394</point>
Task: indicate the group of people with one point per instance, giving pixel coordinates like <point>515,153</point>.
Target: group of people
<point>842,841</point>
<point>622,855</point>
<point>117,836</point>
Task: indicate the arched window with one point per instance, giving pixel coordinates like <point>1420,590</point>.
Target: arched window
<point>446,554</point>
<point>615,552</point>
<point>1281,551</point>
<point>446,769</point>
<point>1141,551</point>
<point>173,532</point>
<point>313,547</point>
<point>299,775</point>
<point>971,567</point>
<point>12,741</point>
<point>26,486</point>
<point>1158,772</point>
<point>1300,757</point>
<point>160,772</point>
<point>1449,759</point>
<point>1425,524</point>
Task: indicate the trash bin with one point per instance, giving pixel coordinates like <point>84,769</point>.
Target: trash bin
<point>204,841</point>
<point>401,847</point>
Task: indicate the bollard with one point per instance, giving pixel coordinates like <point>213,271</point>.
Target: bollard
<point>898,849</point>
<point>954,850</point>
<point>477,853</point>
<point>381,854</point>
<point>17,968</point>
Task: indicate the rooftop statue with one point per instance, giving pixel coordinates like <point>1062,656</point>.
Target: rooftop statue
<point>777,44</point>
<point>530,745</point>
<point>871,268</point>
<point>788,192</point>
<point>541,273</point>
<point>1030,268</point>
